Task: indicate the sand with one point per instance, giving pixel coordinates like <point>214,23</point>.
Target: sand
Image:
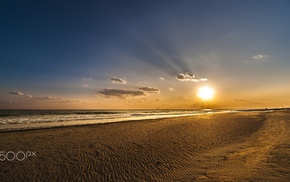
<point>249,146</point>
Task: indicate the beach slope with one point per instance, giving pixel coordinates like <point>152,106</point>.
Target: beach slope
<point>245,146</point>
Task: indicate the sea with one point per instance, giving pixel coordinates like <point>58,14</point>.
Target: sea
<point>11,120</point>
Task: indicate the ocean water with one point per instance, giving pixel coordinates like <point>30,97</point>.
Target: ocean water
<point>27,119</point>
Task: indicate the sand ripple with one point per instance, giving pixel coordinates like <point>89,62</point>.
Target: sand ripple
<point>212,147</point>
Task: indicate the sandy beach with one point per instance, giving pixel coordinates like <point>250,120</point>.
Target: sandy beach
<point>245,146</point>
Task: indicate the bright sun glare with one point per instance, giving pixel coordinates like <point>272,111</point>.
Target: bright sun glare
<point>205,93</point>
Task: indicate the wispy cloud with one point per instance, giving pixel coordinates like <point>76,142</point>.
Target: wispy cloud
<point>86,81</point>
<point>58,100</point>
<point>38,99</point>
<point>259,57</point>
<point>121,93</point>
<point>172,89</point>
<point>203,79</point>
<point>89,78</point>
<point>149,89</point>
<point>118,80</point>
<point>47,98</point>
<point>16,93</point>
<point>51,98</point>
<point>15,102</point>
<point>161,78</point>
<point>189,77</point>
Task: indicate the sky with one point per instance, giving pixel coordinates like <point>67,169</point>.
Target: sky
<point>144,54</point>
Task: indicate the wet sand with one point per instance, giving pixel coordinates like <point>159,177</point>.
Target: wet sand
<point>249,146</point>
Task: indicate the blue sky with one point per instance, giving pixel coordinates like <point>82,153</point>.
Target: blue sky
<point>64,54</point>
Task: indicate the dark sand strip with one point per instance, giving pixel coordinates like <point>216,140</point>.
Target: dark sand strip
<point>211,147</point>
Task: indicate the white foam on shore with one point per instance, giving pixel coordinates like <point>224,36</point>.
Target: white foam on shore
<point>53,124</point>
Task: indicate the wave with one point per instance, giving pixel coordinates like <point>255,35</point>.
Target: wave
<point>10,119</point>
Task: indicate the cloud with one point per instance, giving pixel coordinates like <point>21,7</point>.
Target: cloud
<point>172,89</point>
<point>47,98</point>
<point>85,85</point>
<point>30,96</point>
<point>16,93</point>
<point>90,78</point>
<point>185,77</point>
<point>121,93</point>
<point>259,57</point>
<point>149,89</point>
<point>189,77</point>
<point>53,98</point>
<point>161,78</point>
<point>58,100</point>
<point>203,79</point>
<point>118,80</point>
<point>61,101</point>
<point>15,102</point>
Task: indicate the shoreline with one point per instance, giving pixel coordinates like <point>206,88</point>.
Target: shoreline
<point>210,147</point>
<point>84,122</point>
<point>48,125</point>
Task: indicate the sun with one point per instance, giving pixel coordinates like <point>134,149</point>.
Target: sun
<point>205,93</point>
